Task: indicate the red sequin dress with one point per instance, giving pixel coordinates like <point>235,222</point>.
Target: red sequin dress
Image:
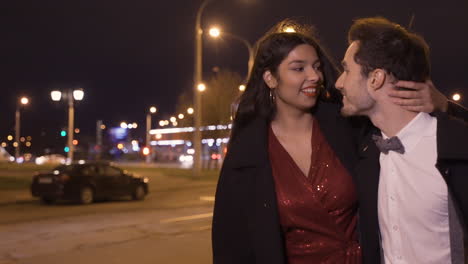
<point>317,212</point>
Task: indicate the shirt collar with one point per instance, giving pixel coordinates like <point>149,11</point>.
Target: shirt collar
<point>420,126</point>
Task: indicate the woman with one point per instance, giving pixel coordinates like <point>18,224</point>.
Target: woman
<point>285,193</point>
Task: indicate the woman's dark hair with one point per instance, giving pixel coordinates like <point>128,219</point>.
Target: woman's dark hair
<point>387,45</point>
<point>270,51</point>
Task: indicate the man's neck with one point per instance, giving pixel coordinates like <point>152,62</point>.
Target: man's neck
<point>391,118</point>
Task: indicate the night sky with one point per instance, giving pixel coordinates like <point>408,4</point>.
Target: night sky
<point>128,55</point>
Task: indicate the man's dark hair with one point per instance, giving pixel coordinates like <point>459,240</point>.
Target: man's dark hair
<point>387,45</point>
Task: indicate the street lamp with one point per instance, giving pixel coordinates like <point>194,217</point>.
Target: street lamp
<point>190,110</point>
<point>71,96</point>
<point>289,29</point>
<point>201,87</point>
<point>197,78</point>
<point>152,110</point>
<point>216,32</point>
<point>23,101</point>
<point>456,97</point>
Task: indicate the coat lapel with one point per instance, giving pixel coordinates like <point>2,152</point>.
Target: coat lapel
<point>368,172</point>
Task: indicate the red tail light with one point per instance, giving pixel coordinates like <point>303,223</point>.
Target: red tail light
<point>215,156</point>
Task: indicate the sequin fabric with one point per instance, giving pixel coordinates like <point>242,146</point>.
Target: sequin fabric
<point>317,212</point>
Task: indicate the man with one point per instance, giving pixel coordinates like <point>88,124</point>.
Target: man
<point>412,206</point>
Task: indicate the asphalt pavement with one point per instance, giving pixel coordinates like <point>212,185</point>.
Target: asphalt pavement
<point>172,225</point>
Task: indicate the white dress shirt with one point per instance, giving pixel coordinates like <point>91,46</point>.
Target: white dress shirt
<point>412,198</point>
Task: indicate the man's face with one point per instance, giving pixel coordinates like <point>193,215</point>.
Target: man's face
<point>353,85</point>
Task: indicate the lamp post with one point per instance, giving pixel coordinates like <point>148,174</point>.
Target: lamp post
<point>71,96</point>
<point>16,144</point>
<point>197,96</point>
<point>152,110</point>
<point>216,32</point>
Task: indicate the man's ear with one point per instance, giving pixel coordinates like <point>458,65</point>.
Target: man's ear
<point>376,79</point>
<point>270,80</point>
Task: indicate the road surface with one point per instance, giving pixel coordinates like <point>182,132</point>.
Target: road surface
<point>172,225</point>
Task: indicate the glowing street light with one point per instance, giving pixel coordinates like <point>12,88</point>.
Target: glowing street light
<point>289,29</point>
<point>123,125</point>
<point>181,116</point>
<point>78,94</point>
<point>24,100</point>
<point>201,87</point>
<point>241,87</point>
<point>190,110</point>
<point>214,32</point>
<point>56,95</point>
<point>71,96</point>
<point>456,97</point>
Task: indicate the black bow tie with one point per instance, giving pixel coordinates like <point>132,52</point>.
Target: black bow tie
<point>385,145</point>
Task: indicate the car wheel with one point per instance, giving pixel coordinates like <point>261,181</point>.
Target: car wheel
<point>48,200</point>
<point>139,193</point>
<point>86,195</point>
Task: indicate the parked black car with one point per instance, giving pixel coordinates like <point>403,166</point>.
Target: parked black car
<point>88,182</point>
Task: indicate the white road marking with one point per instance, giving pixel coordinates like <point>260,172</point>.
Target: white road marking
<point>185,218</point>
<point>207,198</point>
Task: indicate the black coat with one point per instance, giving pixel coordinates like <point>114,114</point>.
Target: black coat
<point>246,227</point>
<point>452,163</point>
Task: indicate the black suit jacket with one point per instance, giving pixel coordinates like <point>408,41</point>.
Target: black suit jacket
<point>452,163</point>
<point>246,226</point>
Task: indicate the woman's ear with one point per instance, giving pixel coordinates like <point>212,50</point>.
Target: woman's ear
<point>270,80</point>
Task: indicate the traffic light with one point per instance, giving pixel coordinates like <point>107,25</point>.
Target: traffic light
<point>63,133</point>
<point>66,149</point>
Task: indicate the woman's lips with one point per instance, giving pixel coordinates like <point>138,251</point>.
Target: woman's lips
<point>310,91</point>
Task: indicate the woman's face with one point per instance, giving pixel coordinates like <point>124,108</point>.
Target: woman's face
<point>299,76</point>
